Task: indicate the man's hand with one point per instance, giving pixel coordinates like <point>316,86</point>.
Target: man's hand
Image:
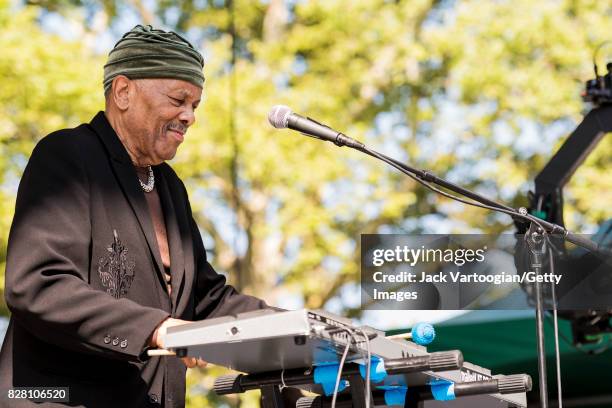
<point>157,340</point>
<point>191,362</point>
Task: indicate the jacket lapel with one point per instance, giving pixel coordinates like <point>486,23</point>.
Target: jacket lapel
<point>128,180</point>
<point>173,231</point>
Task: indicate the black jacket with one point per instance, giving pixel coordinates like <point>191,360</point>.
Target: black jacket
<point>84,276</point>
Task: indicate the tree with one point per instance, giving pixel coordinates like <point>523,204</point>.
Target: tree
<point>46,84</point>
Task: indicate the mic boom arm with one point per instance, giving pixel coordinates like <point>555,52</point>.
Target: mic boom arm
<point>282,117</point>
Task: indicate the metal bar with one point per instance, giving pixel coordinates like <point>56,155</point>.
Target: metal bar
<point>357,388</point>
<point>536,256</point>
<point>574,150</point>
<point>271,397</point>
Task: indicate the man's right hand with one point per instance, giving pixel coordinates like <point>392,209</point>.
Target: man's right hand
<point>157,341</point>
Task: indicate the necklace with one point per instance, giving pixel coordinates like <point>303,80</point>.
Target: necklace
<point>147,188</point>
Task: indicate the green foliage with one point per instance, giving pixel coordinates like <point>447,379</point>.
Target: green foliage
<point>468,99</point>
<point>47,84</point>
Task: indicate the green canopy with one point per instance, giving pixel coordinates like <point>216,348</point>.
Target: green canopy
<point>505,343</point>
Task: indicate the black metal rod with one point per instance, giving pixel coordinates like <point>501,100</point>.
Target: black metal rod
<point>542,374</point>
<point>537,249</point>
<point>358,391</point>
<point>427,176</point>
<point>574,150</point>
<point>271,397</point>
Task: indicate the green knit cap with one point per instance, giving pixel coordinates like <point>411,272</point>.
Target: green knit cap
<point>146,52</point>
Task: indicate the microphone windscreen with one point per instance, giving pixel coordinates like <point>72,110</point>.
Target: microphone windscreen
<point>279,115</point>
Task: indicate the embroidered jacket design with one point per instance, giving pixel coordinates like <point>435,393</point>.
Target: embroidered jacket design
<point>116,270</point>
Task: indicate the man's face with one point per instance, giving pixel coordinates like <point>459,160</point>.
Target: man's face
<point>159,115</point>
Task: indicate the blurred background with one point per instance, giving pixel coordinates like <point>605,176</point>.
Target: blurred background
<point>482,93</point>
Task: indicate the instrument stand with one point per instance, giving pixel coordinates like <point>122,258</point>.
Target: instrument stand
<point>537,250</point>
<point>274,384</point>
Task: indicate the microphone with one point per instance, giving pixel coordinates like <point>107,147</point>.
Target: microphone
<point>283,117</point>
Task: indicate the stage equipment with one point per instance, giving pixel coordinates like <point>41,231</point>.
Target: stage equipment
<point>326,354</point>
<point>546,203</point>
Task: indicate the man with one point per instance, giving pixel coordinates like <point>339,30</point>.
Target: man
<point>103,252</point>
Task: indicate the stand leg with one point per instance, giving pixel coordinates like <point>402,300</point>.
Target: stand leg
<point>541,346</point>
<point>537,249</point>
<point>358,391</point>
<point>413,399</point>
<point>271,397</point>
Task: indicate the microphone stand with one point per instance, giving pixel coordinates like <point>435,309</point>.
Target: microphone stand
<point>535,236</point>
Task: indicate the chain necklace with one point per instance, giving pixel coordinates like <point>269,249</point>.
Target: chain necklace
<point>147,188</point>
